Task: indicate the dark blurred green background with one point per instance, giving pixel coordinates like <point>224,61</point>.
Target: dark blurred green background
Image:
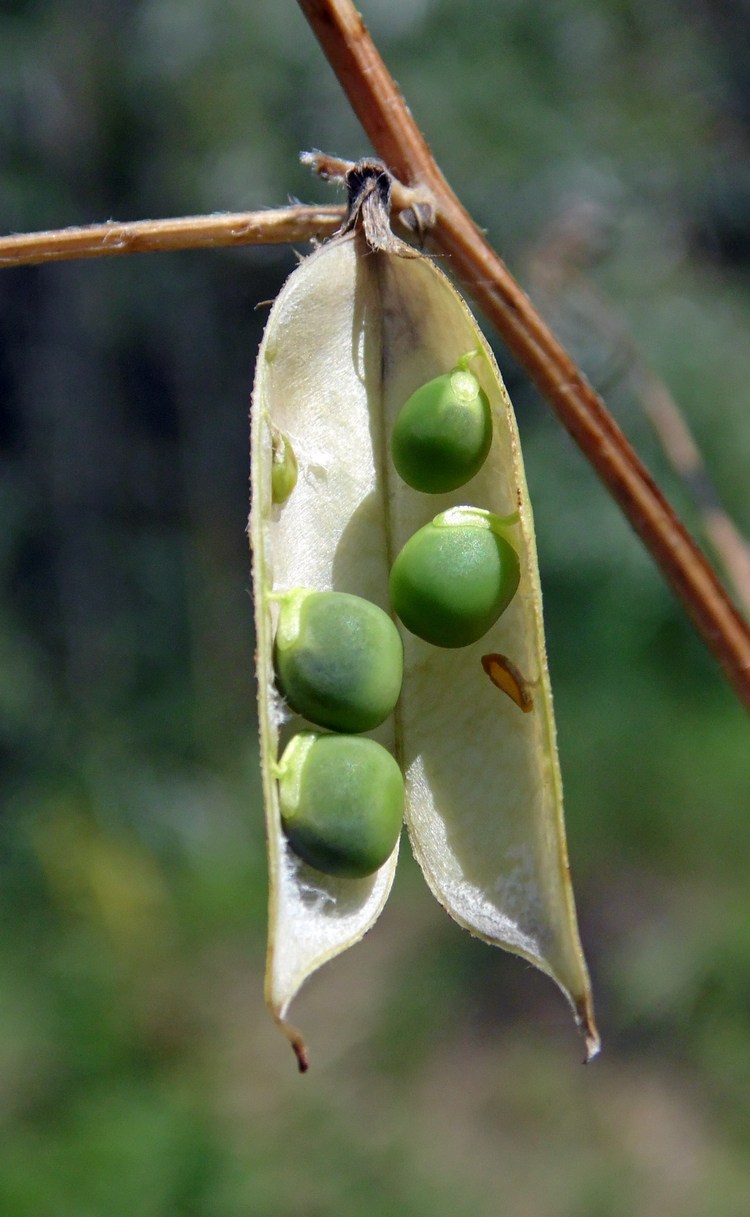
<point>139,1073</point>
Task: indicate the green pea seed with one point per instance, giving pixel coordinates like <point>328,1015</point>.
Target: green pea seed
<point>454,577</point>
<point>342,802</point>
<point>339,659</point>
<point>443,433</point>
<point>283,467</point>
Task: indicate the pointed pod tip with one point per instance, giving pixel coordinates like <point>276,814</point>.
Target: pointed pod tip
<point>298,1045</point>
<point>300,1051</point>
<point>593,1046</point>
<point>585,1020</point>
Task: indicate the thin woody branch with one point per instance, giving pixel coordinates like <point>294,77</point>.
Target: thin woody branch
<point>383,113</point>
<point>282,225</point>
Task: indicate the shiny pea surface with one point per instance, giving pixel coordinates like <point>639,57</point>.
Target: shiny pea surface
<point>451,581</point>
<point>338,658</point>
<point>342,802</point>
<point>443,432</point>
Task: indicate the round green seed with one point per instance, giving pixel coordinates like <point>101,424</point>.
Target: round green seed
<point>443,432</point>
<point>454,577</point>
<point>339,659</point>
<point>342,802</point>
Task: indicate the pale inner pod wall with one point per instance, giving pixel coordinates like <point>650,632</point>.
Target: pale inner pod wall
<point>317,365</point>
<point>462,738</point>
<point>351,336</point>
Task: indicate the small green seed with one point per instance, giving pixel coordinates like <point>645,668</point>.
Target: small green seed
<point>454,577</point>
<point>443,433</point>
<point>342,802</point>
<point>283,467</point>
<point>339,659</point>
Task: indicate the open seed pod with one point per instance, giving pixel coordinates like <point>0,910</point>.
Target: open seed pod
<point>356,330</point>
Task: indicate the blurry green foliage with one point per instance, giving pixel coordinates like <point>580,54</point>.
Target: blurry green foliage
<point>138,1073</point>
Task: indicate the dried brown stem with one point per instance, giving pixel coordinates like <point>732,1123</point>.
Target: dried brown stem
<point>284,224</point>
<point>381,109</point>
